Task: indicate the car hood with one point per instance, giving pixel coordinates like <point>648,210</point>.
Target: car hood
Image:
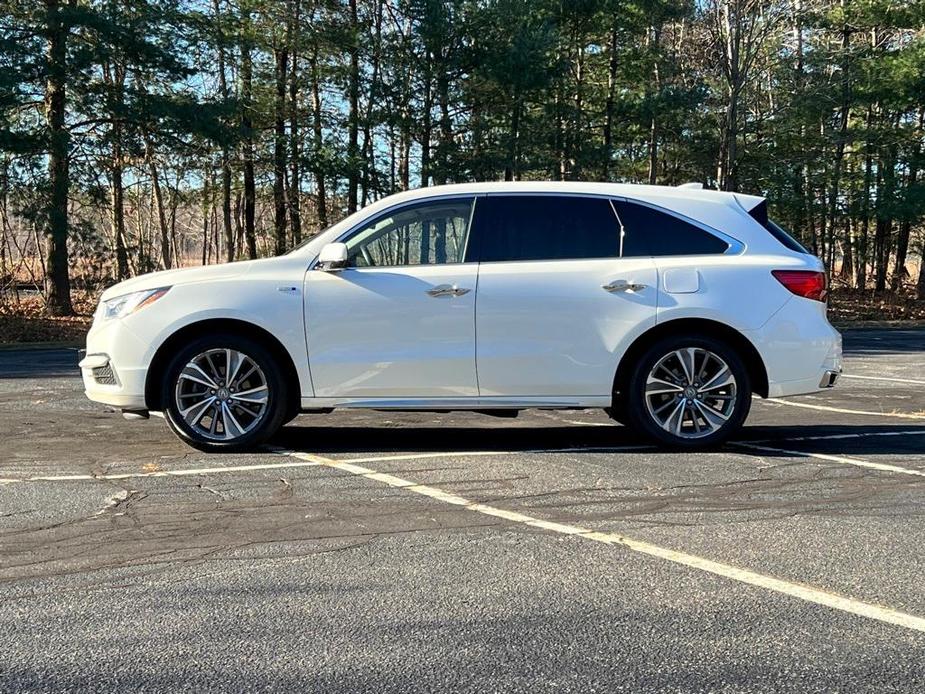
<point>169,278</point>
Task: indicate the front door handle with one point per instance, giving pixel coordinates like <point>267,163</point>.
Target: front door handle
<point>620,286</point>
<point>447,290</point>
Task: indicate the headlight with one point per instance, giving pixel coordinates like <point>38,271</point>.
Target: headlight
<point>122,306</point>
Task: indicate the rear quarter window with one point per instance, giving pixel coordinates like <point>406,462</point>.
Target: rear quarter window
<point>648,231</point>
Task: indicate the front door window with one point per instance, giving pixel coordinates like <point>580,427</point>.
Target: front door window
<point>433,233</point>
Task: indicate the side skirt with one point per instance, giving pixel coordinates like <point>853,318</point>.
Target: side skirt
<point>449,404</point>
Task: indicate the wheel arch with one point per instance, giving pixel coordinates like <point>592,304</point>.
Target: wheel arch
<point>211,326</point>
<point>684,326</point>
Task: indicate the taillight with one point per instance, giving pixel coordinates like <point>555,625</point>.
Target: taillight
<point>809,284</point>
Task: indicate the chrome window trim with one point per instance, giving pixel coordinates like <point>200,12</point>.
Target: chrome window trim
<point>397,207</point>
<point>736,247</point>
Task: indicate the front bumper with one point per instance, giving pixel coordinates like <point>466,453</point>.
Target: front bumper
<point>113,366</point>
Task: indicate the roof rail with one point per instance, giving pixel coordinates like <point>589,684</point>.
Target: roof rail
<point>694,186</point>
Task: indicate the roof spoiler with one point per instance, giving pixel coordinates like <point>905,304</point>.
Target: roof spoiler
<point>750,203</point>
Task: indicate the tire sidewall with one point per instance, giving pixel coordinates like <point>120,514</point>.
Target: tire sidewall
<point>276,402</point>
<point>638,412</point>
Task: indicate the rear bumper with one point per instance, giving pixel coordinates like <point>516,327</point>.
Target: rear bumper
<point>801,350</point>
<point>822,381</point>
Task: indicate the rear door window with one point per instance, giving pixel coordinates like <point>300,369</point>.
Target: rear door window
<point>544,227</point>
<point>648,231</point>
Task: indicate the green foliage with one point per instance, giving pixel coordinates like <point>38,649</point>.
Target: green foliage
<point>827,116</point>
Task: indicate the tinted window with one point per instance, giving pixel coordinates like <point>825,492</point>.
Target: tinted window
<point>760,214</point>
<point>545,227</point>
<point>432,233</point>
<point>648,231</point>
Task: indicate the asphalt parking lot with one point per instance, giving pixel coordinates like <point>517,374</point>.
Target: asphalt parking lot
<point>418,552</point>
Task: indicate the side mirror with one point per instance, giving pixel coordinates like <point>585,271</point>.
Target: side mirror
<point>332,257</point>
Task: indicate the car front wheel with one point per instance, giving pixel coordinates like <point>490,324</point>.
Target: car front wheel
<point>224,393</point>
<point>689,392</point>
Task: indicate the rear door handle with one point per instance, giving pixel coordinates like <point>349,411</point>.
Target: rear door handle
<point>620,286</point>
<point>447,290</point>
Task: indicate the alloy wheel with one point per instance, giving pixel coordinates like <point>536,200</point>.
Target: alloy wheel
<point>691,392</point>
<point>222,394</point>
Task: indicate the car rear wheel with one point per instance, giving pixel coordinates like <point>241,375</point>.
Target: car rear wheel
<point>689,392</point>
<point>223,393</point>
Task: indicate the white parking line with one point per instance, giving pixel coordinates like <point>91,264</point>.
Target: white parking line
<point>187,472</point>
<point>859,435</point>
<point>884,378</point>
<point>841,410</point>
<point>797,590</point>
<point>857,462</point>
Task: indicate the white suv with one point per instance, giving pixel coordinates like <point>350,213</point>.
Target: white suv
<point>667,307</point>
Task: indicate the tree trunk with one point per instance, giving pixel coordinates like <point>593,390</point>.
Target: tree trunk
<point>902,250</point>
<point>442,170</point>
<point>578,146</point>
<point>847,268</point>
<point>559,144</point>
<point>158,202</point>
<point>353,117</point>
<point>226,156</point>
<point>426,124</point>
<point>114,77</point>
<point>735,41</point>
<point>884,228</point>
<point>281,56</point>
<point>842,138</point>
<point>369,150</point>
<point>653,123</point>
<point>511,171</point>
<point>247,134</point>
<point>57,278</point>
<point>725,177</point>
<point>295,174</point>
<point>404,161</point>
<point>905,226</point>
<point>920,285</point>
<point>610,104</point>
<point>317,134</point>
<point>864,236</point>
<point>117,218</point>
<point>653,152</point>
<point>799,170</point>
<point>206,213</point>
<point>404,107</point>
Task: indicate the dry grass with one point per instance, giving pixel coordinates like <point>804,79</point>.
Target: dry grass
<point>25,321</point>
<point>851,306</point>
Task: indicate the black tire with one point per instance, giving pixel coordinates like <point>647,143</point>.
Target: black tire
<point>732,402</point>
<point>291,413</point>
<point>617,412</point>
<point>270,419</point>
